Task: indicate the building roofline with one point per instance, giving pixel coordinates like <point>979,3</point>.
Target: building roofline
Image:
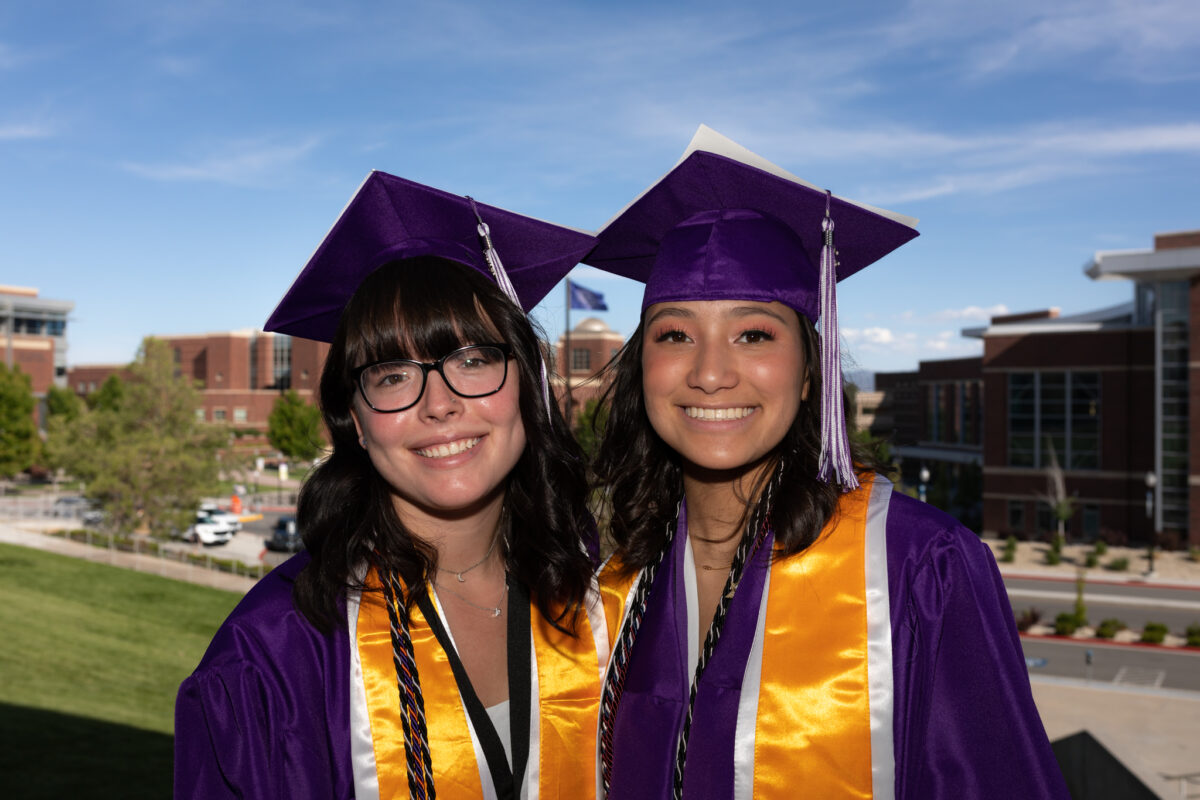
<point>1107,318</point>
<point>1144,265</point>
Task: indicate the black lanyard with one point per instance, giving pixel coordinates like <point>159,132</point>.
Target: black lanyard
<point>507,781</point>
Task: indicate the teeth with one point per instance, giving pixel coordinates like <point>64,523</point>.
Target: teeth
<point>449,449</point>
<point>717,413</point>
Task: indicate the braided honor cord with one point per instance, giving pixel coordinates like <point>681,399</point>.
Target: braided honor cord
<point>412,703</point>
<point>755,532</point>
<point>614,682</point>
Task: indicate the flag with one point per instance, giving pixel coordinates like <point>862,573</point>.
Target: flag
<point>585,298</point>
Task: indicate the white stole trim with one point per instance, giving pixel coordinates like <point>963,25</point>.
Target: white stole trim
<point>879,644</point>
<point>362,746</point>
<point>747,716</point>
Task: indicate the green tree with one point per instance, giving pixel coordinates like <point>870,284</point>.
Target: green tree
<point>294,427</point>
<point>64,403</point>
<point>110,394</point>
<point>18,430</point>
<point>589,426</point>
<point>142,454</point>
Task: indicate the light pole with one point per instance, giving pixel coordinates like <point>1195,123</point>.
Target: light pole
<point>1151,482</point>
<point>924,480</point>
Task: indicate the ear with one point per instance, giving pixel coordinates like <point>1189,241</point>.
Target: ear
<point>358,425</point>
<point>803,391</point>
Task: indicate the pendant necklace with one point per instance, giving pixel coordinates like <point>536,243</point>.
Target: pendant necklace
<point>491,610</point>
<point>458,573</point>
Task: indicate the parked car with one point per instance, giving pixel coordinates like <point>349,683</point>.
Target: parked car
<point>71,506</point>
<point>208,532</point>
<point>215,514</point>
<point>285,536</point>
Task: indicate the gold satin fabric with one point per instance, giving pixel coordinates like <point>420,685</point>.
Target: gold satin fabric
<point>813,731</point>
<point>568,684</point>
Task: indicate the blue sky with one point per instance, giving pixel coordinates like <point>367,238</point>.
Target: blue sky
<point>170,166</point>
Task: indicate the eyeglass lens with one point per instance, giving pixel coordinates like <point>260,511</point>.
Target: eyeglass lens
<point>469,372</point>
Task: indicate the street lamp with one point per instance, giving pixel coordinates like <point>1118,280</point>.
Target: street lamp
<point>924,480</point>
<point>1151,482</point>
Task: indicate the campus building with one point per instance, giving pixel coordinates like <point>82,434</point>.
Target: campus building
<point>34,331</point>
<point>579,357</point>
<point>240,374</point>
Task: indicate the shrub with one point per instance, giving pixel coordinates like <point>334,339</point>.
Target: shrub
<point>1193,635</point>
<point>1117,565</point>
<point>1090,560</point>
<point>1065,624</point>
<point>1053,556</point>
<point>1028,618</point>
<point>1109,628</point>
<point>1154,632</point>
<point>1194,554</point>
<point>1101,548</point>
<point>1009,552</point>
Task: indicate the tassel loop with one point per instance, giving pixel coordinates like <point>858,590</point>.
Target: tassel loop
<point>494,264</point>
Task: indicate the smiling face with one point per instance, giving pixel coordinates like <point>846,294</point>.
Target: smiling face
<point>447,456</point>
<point>723,380</point>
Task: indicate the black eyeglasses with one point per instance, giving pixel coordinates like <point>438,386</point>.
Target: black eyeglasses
<point>473,371</point>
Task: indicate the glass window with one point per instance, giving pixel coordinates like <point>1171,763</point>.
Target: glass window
<point>239,415</point>
<point>1091,522</point>
<point>581,359</point>
<point>1022,419</point>
<point>218,415</point>
<point>199,415</point>
<point>1016,515</point>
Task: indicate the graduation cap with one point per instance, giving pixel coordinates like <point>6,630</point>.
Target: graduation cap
<point>726,224</point>
<point>392,219</point>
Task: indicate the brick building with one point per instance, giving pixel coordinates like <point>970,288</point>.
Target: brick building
<point>592,345</point>
<point>240,373</point>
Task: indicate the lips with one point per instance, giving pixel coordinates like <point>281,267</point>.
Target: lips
<point>695,412</point>
<point>448,449</point>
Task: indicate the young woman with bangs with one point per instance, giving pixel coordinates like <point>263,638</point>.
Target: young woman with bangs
<point>436,638</point>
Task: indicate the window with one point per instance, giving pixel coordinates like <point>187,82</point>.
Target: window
<point>1016,515</point>
<point>282,373</point>
<point>1091,522</point>
<point>1054,412</point>
<point>239,415</point>
<point>199,415</point>
<point>218,415</point>
<point>55,327</point>
<point>581,359</point>
<point>1045,518</point>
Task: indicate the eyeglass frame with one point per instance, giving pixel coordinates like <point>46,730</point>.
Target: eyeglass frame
<point>432,366</point>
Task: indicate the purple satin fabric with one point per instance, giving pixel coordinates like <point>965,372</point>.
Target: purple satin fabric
<point>965,723</point>
<point>266,713</point>
<point>733,254</point>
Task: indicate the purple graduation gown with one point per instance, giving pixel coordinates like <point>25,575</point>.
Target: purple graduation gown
<point>964,722</point>
<point>266,713</point>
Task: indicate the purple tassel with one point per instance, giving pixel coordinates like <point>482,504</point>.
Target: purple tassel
<point>497,268</point>
<point>835,464</point>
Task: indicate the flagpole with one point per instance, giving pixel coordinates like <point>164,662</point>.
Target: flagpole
<point>567,355</point>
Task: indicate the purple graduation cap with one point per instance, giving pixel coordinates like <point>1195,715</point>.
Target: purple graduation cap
<point>726,224</point>
<point>391,219</point>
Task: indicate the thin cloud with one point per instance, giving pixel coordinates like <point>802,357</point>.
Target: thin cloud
<point>874,336</point>
<point>24,130</point>
<point>969,314</point>
<point>241,164</point>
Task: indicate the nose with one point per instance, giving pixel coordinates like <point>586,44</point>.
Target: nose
<point>438,402</point>
<point>714,367</point>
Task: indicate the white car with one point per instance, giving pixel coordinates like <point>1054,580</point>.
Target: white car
<point>208,532</point>
<point>215,514</point>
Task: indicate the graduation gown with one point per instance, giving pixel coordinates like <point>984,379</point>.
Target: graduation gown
<point>881,662</point>
<point>277,709</point>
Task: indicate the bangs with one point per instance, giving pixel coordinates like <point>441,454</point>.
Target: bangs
<point>419,309</point>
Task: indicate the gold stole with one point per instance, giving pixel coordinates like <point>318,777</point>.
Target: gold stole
<point>813,727</point>
<point>567,706</point>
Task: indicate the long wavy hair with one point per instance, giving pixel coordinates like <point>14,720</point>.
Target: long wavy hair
<point>643,476</point>
<point>422,308</point>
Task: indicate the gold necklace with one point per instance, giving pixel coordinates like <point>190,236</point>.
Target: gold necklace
<point>458,573</point>
<point>492,610</point>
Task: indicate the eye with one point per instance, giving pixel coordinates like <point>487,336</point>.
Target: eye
<point>755,336</point>
<point>389,376</point>
<point>673,335</point>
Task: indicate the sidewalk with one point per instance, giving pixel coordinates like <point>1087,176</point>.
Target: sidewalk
<point>11,534</point>
<point>1171,568</point>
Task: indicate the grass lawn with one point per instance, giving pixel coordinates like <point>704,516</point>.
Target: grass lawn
<point>90,660</point>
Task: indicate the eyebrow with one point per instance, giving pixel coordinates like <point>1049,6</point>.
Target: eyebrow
<point>750,311</point>
<point>670,311</point>
<point>738,312</point>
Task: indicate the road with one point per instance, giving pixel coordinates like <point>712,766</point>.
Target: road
<point>1135,604</point>
<point>1125,665</point>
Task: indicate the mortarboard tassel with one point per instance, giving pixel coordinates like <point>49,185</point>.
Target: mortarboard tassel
<point>835,463</point>
<point>497,268</point>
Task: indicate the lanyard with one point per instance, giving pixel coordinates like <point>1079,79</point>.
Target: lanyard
<point>518,640</point>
